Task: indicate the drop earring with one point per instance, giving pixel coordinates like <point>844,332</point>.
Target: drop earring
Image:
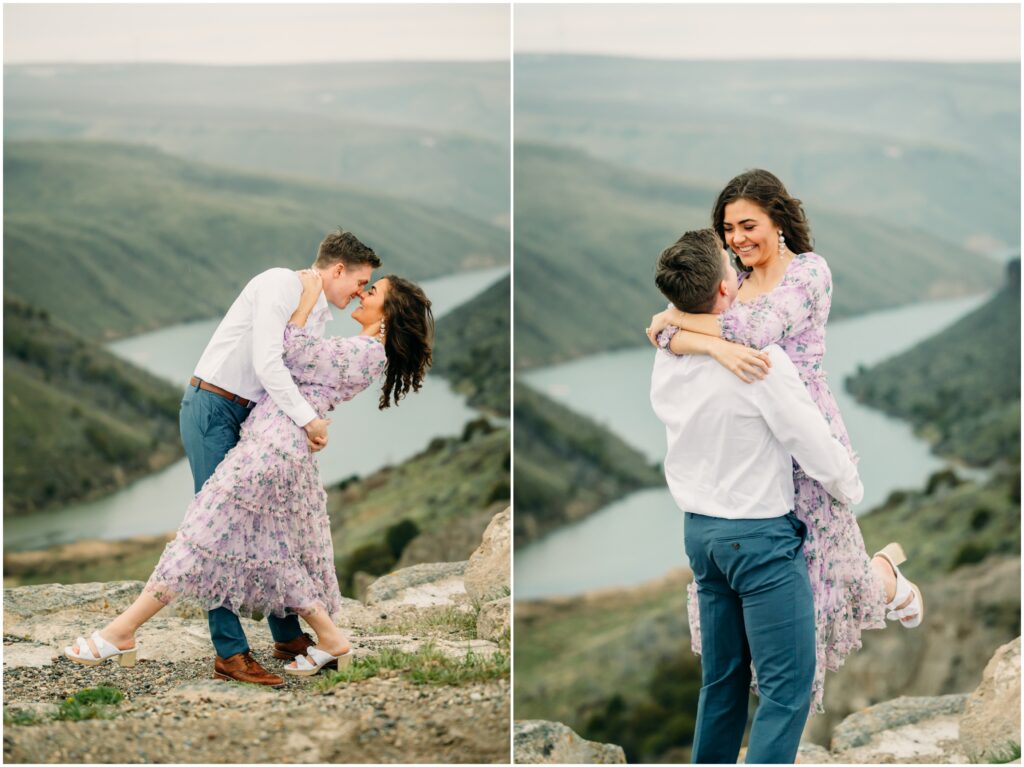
<point>782,243</point>
<point>380,332</point>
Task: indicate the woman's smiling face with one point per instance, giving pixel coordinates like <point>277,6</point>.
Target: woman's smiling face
<point>750,233</point>
<point>371,303</point>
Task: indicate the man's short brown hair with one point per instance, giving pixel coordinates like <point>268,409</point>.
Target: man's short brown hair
<point>345,247</point>
<point>690,270</point>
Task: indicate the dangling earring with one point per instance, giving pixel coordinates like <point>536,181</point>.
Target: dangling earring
<point>380,333</point>
<point>782,243</point>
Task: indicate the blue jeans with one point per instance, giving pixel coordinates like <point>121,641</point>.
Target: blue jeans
<point>209,429</point>
<point>755,604</point>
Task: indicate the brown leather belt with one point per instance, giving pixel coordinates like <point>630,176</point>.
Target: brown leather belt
<point>221,392</point>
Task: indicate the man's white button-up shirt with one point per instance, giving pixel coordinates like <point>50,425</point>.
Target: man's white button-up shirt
<point>245,354</point>
<point>731,444</point>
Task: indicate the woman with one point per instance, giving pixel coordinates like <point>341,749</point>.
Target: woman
<point>784,298</point>
<point>257,537</point>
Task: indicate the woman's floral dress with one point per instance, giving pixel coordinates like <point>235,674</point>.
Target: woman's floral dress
<point>847,596</point>
<point>256,538</point>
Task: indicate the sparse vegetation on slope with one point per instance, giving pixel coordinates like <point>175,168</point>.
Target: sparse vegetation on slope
<point>472,350</point>
<point>78,422</point>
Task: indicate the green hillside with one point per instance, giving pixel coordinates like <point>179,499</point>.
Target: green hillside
<point>567,466</point>
<point>588,234</point>
<point>473,348</point>
<point>78,422</point>
<point>910,143</point>
<point>453,478</point>
<point>960,388</point>
<point>117,240</point>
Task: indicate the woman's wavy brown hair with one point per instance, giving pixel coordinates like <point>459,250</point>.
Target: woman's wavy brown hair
<point>766,191</point>
<point>408,339</point>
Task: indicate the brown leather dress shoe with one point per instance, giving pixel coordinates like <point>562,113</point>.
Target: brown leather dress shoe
<point>242,667</point>
<point>293,648</point>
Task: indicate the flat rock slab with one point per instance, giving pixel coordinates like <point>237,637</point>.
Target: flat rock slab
<point>860,728</point>
<point>28,655</point>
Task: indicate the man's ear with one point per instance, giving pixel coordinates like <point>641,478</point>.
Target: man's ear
<point>723,288</point>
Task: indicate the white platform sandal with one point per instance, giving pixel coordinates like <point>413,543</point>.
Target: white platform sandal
<point>322,658</point>
<point>911,615</point>
<point>107,651</point>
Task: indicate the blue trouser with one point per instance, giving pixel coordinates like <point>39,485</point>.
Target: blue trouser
<point>755,604</point>
<point>209,429</point>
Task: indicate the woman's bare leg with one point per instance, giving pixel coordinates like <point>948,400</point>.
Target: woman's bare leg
<point>120,632</point>
<point>329,637</point>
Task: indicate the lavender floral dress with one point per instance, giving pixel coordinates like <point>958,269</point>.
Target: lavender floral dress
<point>847,596</point>
<point>256,538</point>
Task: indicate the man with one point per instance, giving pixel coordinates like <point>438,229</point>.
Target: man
<point>729,467</point>
<point>241,363</point>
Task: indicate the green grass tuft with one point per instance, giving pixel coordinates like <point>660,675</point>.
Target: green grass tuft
<point>90,703</point>
<point>20,716</point>
<point>426,666</point>
<point>1010,753</point>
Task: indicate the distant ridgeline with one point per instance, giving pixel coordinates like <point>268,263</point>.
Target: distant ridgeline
<point>960,388</point>
<point>78,422</point>
<point>567,466</point>
<point>588,233</point>
<point>472,349</point>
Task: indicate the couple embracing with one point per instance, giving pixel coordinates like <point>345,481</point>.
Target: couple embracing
<point>759,460</point>
<point>256,538</point>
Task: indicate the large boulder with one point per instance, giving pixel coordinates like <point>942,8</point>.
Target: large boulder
<point>421,585</point>
<point>990,725</point>
<point>536,741</point>
<point>494,621</point>
<point>903,730</point>
<point>488,573</point>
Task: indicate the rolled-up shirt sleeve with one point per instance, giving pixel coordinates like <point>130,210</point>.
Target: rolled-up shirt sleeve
<point>797,423</point>
<point>275,300</point>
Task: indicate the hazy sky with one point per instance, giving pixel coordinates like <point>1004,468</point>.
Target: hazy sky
<point>254,34</point>
<point>725,31</point>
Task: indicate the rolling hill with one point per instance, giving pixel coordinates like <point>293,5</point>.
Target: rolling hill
<point>588,234</point>
<point>119,239</point>
<point>436,133</point>
<point>473,348</point>
<point>567,466</point>
<point>930,146</point>
<point>78,422</point>
<point>960,388</point>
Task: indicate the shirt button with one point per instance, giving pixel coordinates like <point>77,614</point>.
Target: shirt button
<point>735,545</point>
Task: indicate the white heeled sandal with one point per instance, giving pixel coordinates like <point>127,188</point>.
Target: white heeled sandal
<point>322,658</point>
<point>911,614</point>
<point>107,651</point>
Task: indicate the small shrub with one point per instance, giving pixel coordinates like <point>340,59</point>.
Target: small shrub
<point>970,553</point>
<point>90,703</point>
<point>399,535</point>
<point>980,517</point>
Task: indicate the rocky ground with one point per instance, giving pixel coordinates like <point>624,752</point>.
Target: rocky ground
<point>978,727</point>
<point>173,711</point>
